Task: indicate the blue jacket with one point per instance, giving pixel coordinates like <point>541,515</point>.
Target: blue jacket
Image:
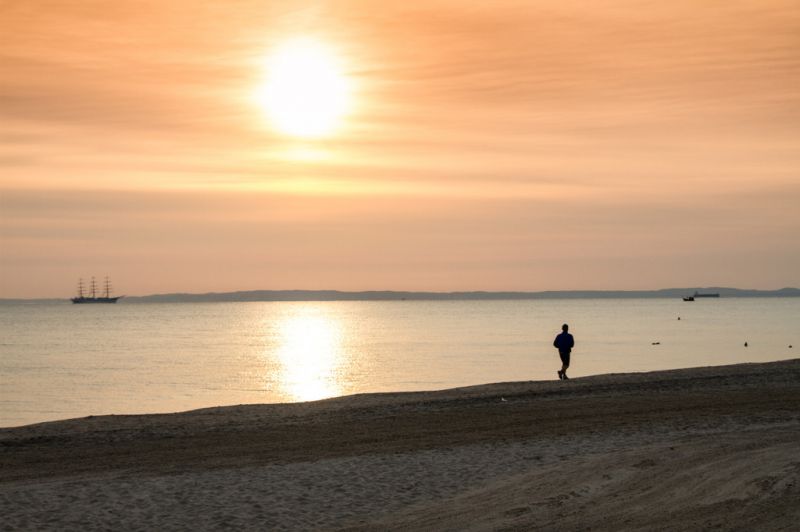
<point>564,342</point>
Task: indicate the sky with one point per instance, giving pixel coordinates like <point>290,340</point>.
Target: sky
<point>508,145</point>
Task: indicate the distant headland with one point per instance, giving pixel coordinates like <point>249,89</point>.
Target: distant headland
<point>393,295</point>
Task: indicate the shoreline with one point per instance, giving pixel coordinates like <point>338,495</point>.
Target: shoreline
<point>553,454</point>
<point>547,386</point>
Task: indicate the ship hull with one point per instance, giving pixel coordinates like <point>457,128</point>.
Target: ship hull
<point>92,300</point>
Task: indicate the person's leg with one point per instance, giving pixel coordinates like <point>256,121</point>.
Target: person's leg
<point>564,365</point>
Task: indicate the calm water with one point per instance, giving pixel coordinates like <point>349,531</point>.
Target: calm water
<point>60,360</point>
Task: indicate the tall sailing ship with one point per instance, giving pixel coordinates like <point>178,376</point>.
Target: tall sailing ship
<point>91,295</point>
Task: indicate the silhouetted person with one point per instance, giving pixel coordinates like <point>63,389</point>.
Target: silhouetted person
<point>564,342</point>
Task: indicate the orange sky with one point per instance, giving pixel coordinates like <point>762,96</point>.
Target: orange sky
<point>491,146</point>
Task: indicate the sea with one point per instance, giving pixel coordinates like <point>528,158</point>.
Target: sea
<point>60,361</point>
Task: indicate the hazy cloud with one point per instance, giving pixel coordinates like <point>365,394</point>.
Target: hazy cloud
<point>502,145</point>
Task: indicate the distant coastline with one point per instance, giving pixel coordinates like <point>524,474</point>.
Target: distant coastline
<point>391,295</point>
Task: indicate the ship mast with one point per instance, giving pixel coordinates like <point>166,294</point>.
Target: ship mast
<point>94,288</point>
<point>80,287</point>
<point>108,288</point>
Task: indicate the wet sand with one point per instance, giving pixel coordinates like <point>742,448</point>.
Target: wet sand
<point>674,450</point>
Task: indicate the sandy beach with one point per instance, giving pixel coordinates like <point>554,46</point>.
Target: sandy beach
<point>687,449</point>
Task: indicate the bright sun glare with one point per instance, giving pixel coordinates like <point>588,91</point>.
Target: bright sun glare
<point>306,93</point>
<point>309,353</point>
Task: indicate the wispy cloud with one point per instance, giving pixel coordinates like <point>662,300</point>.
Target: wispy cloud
<point>507,140</point>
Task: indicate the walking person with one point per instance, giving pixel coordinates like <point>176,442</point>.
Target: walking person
<point>564,342</point>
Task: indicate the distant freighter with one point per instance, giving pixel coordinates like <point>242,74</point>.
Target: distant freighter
<point>93,298</point>
<point>698,294</point>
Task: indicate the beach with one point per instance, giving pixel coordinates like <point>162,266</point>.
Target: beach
<point>688,449</point>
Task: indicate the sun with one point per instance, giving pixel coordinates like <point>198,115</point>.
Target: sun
<point>306,92</point>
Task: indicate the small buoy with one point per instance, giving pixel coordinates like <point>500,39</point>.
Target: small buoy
<point>679,317</point>
<point>745,344</point>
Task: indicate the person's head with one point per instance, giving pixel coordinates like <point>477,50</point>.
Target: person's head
<point>565,327</point>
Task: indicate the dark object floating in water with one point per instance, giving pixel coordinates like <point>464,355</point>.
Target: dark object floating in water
<point>745,344</point>
<point>83,299</point>
<point>701,294</point>
<point>656,343</point>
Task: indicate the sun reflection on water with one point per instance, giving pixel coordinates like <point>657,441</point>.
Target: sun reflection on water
<point>309,354</point>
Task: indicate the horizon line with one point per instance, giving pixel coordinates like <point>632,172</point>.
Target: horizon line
<point>452,294</point>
